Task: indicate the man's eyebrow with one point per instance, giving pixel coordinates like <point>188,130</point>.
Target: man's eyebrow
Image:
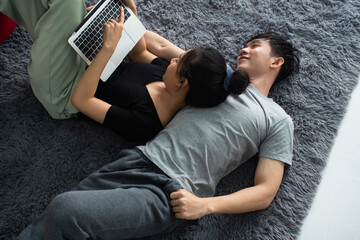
<point>255,41</point>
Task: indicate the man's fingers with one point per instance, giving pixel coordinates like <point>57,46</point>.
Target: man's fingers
<point>176,202</point>
<point>176,209</point>
<point>175,195</point>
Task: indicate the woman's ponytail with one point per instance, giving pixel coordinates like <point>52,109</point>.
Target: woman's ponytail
<point>209,81</point>
<point>239,82</point>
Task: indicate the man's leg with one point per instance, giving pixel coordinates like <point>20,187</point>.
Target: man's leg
<point>127,198</point>
<point>104,214</point>
<point>134,202</point>
<point>109,214</point>
<point>54,67</point>
<point>26,13</point>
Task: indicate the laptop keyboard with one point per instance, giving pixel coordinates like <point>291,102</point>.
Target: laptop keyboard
<point>90,41</point>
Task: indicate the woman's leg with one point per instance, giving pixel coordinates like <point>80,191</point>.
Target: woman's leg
<point>54,67</point>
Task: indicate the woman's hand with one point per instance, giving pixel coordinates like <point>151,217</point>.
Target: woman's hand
<point>187,205</point>
<point>129,3</point>
<point>88,9</point>
<point>112,31</point>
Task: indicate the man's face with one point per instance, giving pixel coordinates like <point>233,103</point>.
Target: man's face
<point>255,58</point>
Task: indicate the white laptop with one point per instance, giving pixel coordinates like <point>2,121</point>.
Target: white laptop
<point>87,38</point>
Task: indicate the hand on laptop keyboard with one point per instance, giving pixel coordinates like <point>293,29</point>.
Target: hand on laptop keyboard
<point>112,31</point>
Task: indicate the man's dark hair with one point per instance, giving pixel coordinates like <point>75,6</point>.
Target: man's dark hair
<point>205,70</point>
<point>280,47</point>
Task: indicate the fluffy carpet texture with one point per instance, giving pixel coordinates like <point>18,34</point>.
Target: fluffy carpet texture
<point>41,157</point>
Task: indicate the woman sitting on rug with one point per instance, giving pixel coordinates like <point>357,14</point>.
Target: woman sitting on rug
<point>140,97</point>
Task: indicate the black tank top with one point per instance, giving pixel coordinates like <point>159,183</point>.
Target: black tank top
<point>132,114</point>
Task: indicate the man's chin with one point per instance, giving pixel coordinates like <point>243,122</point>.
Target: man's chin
<point>241,67</point>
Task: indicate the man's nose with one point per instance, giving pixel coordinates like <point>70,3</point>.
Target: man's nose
<point>244,51</point>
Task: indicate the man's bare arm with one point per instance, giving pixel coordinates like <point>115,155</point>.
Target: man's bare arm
<point>268,177</point>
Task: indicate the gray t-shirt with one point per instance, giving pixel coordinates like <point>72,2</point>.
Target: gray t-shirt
<point>200,146</point>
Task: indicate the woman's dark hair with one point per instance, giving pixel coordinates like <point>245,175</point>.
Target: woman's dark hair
<point>239,82</point>
<point>205,70</point>
<point>280,47</point>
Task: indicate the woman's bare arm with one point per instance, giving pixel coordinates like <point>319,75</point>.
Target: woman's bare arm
<point>83,97</point>
<point>161,47</point>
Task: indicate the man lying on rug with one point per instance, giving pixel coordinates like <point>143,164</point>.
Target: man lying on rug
<point>152,188</point>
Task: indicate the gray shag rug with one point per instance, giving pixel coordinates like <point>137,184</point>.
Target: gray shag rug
<point>41,157</point>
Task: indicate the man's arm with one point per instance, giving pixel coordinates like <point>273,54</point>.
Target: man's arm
<point>268,177</point>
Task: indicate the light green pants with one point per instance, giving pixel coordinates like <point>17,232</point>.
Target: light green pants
<point>54,67</point>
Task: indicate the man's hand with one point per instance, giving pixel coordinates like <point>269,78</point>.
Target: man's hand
<point>113,31</point>
<point>187,205</point>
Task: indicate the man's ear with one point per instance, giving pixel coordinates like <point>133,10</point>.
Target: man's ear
<point>277,62</point>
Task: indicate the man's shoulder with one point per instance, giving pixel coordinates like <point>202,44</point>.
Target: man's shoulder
<point>268,105</point>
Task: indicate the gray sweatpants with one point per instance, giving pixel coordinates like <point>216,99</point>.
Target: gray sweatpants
<point>128,198</point>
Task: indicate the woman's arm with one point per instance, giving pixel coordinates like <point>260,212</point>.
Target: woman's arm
<point>140,52</point>
<point>83,97</point>
<point>268,177</point>
<point>152,45</point>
